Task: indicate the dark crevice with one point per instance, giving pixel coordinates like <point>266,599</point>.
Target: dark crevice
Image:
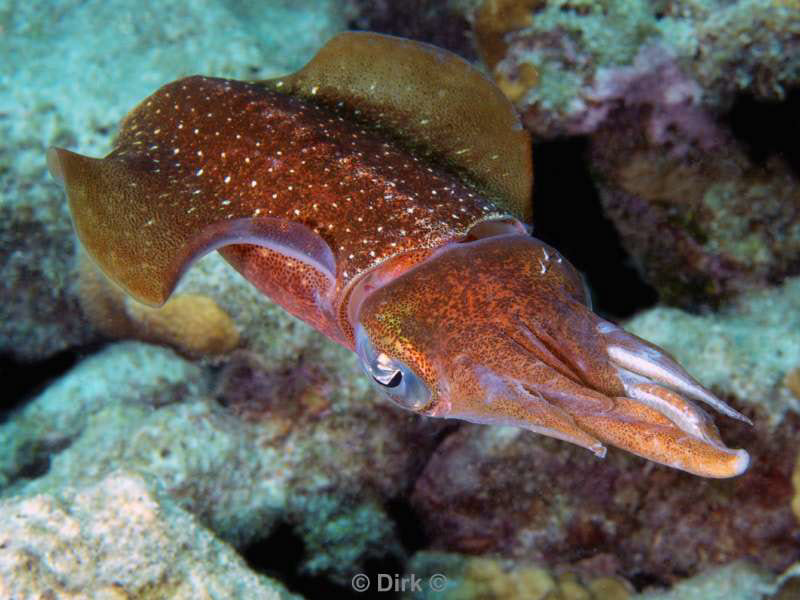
<point>282,552</point>
<point>23,380</point>
<point>407,524</point>
<point>642,581</point>
<point>34,469</point>
<point>430,21</point>
<point>767,129</point>
<point>391,570</point>
<point>568,215</point>
<point>280,555</point>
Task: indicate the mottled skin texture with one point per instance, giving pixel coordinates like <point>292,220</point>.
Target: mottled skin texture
<point>515,343</point>
<point>384,212</point>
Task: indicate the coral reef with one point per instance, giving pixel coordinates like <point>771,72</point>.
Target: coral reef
<point>724,223</point>
<point>121,537</point>
<point>743,352</point>
<point>325,466</point>
<point>736,581</point>
<point>130,374</point>
<point>473,578</point>
<point>130,475</point>
<point>796,488</point>
<point>192,324</point>
<point>792,382</point>
<point>497,579</point>
<point>40,314</point>
<point>507,492</point>
<point>591,56</point>
<point>440,23</point>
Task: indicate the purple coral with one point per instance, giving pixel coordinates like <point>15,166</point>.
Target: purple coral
<point>656,82</point>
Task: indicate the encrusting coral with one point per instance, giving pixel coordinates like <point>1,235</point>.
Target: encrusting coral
<point>192,324</point>
<point>492,22</point>
<point>725,224</point>
<point>586,52</point>
<point>485,578</point>
<point>792,381</point>
<point>119,537</point>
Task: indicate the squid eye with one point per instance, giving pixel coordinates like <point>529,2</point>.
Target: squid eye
<point>390,380</point>
<point>392,377</point>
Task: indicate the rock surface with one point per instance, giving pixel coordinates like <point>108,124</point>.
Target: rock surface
<point>121,537</point>
<point>245,451</point>
<point>129,476</point>
<point>707,205</point>
<point>590,57</point>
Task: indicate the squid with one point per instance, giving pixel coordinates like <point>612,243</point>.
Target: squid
<point>382,194</point>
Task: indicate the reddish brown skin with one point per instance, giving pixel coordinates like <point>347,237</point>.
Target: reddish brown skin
<point>364,195</point>
<point>343,180</point>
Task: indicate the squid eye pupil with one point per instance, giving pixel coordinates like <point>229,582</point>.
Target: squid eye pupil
<point>393,381</point>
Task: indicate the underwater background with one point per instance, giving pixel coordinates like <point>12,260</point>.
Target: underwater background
<point>224,449</point>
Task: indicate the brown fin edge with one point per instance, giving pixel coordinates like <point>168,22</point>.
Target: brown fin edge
<point>100,226</point>
<point>429,98</point>
<point>146,253</point>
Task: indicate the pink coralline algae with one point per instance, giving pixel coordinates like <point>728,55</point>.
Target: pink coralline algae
<point>655,81</point>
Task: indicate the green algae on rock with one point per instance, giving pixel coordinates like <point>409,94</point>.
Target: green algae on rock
<point>129,374</point>
<point>586,52</point>
<point>326,459</point>
<point>744,351</point>
<point>725,224</point>
<point>651,84</point>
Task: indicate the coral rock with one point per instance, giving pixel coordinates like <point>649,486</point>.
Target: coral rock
<point>589,55</point>
<point>736,581</point>
<point>648,82</point>
<point>119,538</point>
<point>483,578</point>
<point>792,382</point>
<point>796,487</point>
<point>317,449</point>
<point>193,324</point>
<point>703,225</point>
